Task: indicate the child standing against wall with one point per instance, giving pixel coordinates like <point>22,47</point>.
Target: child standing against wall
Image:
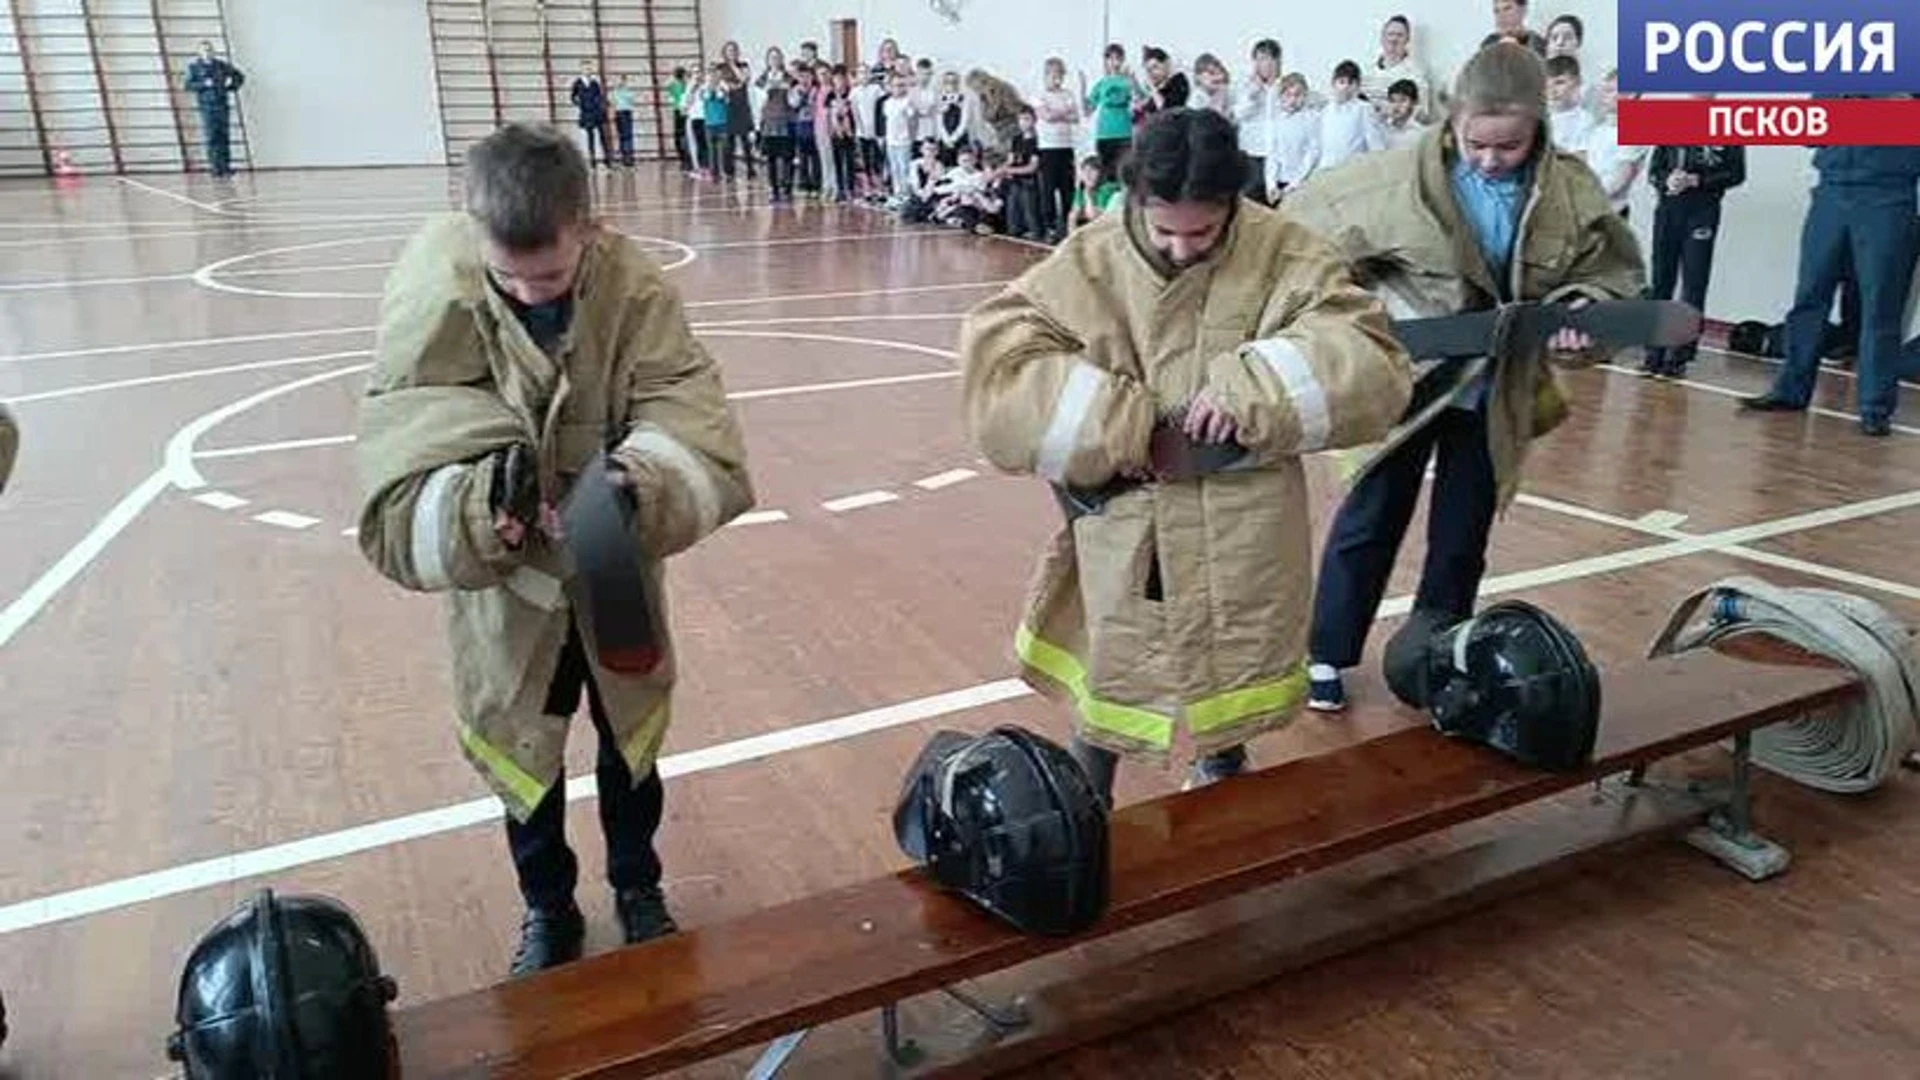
<point>677,91</point>
<point>1348,125</point>
<point>1403,103</point>
<point>1569,120</point>
<point>1293,150</point>
<point>1617,166</point>
<point>623,119</point>
<point>1691,180</point>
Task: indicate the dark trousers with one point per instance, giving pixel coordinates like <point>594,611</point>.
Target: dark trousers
<point>720,152</point>
<point>595,128</point>
<point>681,149</point>
<point>1111,151</point>
<point>1022,207</point>
<point>629,813</point>
<point>1056,189</point>
<point>1255,185</point>
<point>214,126</point>
<point>1365,536</point>
<point>844,165</point>
<point>1875,231</point>
<point>623,130</point>
<point>697,144</point>
<point>1685,228</point>
<point>779,154</point>
<point>806,159</point>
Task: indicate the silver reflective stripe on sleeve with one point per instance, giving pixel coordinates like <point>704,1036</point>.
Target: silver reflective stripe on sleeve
<point>429,532</point>
<point>1290,366</point>
<point>1069,416</point>
<point>676,459</point>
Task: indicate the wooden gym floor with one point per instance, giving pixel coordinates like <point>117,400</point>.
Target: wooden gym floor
<point>206,689</point>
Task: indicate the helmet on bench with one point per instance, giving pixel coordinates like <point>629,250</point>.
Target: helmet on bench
<point>284,989</point>
<point>1512,678</point>
<point>1011,821</point>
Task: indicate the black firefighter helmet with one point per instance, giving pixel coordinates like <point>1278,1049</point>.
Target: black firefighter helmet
<point>1011,821</point>
<point>284,989</point>
<point>1512,677</point>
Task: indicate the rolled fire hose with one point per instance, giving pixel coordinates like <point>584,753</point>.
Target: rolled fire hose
<point>1846,748</point>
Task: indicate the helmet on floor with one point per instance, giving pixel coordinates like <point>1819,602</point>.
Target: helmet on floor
<point>284,989</point>
<point>1406,657</point>
<point>1515,679</point>
<point>1011,821</point>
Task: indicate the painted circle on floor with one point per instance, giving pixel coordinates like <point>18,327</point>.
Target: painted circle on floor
<point>210,275</point>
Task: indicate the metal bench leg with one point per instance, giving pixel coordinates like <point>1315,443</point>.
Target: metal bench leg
<point>1728,835</point>
<point>1003,1019</point>
<point>905,1053</point>
<point>775,1056</point>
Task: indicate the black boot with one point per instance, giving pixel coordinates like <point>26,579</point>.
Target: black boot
<point>549,937</point>
<point>643,914</point>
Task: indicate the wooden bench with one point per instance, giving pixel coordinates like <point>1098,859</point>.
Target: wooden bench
<point>774,974</point>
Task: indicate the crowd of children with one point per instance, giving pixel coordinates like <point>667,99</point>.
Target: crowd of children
<point>975,153</point>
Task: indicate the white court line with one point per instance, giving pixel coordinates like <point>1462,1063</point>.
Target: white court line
<point>731,301</point>
<point>186,343</point>
<point>286,519</point>
<point>176,376</point>
<point>56,577</point>
<point>350,532</point>
<point>205,275</point>
<point>126,892</point>
<point>179,467</point>
<point>1727,391</point>
<point>760,517</point>
<point>1773,361</point>
<point>860,501</point>
<point>221,870</point>
<point>220,500</point>
<point>175,196</point>
<point>271,447</point>
<point>849,384</point>
<point>1661,519</point>
<point>945,479</point>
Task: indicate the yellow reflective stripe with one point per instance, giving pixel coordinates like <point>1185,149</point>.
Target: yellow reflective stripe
<point>648,731</point>
<point>1055,663</point>
<point>525,788</point>
<point>1225,709</point>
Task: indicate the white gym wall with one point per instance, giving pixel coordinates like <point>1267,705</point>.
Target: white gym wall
<point>1754,265</point>
<point>346,82</point>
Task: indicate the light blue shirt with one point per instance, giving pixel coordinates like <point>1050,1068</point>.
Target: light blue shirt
<point>1492,208</point>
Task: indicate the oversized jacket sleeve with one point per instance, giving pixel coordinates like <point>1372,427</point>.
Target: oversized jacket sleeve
<point>428,527</point>
<point>1605,261</point>
<point>683,446</point>
<point>1324,371</point>
<point>1036,404</point>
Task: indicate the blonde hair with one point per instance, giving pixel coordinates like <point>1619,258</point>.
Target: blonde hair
<point>1504,77</point>
<point>1293,78</point>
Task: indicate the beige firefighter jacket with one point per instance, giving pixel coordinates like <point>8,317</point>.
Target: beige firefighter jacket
<point>1181,609</point>
<point>1393,216</point>
<point>456,378</point>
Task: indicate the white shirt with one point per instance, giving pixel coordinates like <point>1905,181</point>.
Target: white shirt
<point>1617,166</point>
<point>1256,108</point>
<point>1063,134</point>
<point>1295,149</point>
<point>1398,135</point>
<point>1374,81</point>
<point>899,112</point>
<point>864,98</point>
<point>1347,130</point>
<point>1570,127</point>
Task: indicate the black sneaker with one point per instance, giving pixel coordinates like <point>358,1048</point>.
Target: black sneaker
<point>643,914</point>
<point>549,937</point>
<point>1217,766</point>
<point>1769,403</point>
<point>1878,427</point>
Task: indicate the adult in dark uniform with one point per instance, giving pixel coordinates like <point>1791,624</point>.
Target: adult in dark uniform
<point>210,79</point>
<point>1862,211</point>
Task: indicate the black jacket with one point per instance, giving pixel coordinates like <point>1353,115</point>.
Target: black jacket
<point>1719,167</point>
